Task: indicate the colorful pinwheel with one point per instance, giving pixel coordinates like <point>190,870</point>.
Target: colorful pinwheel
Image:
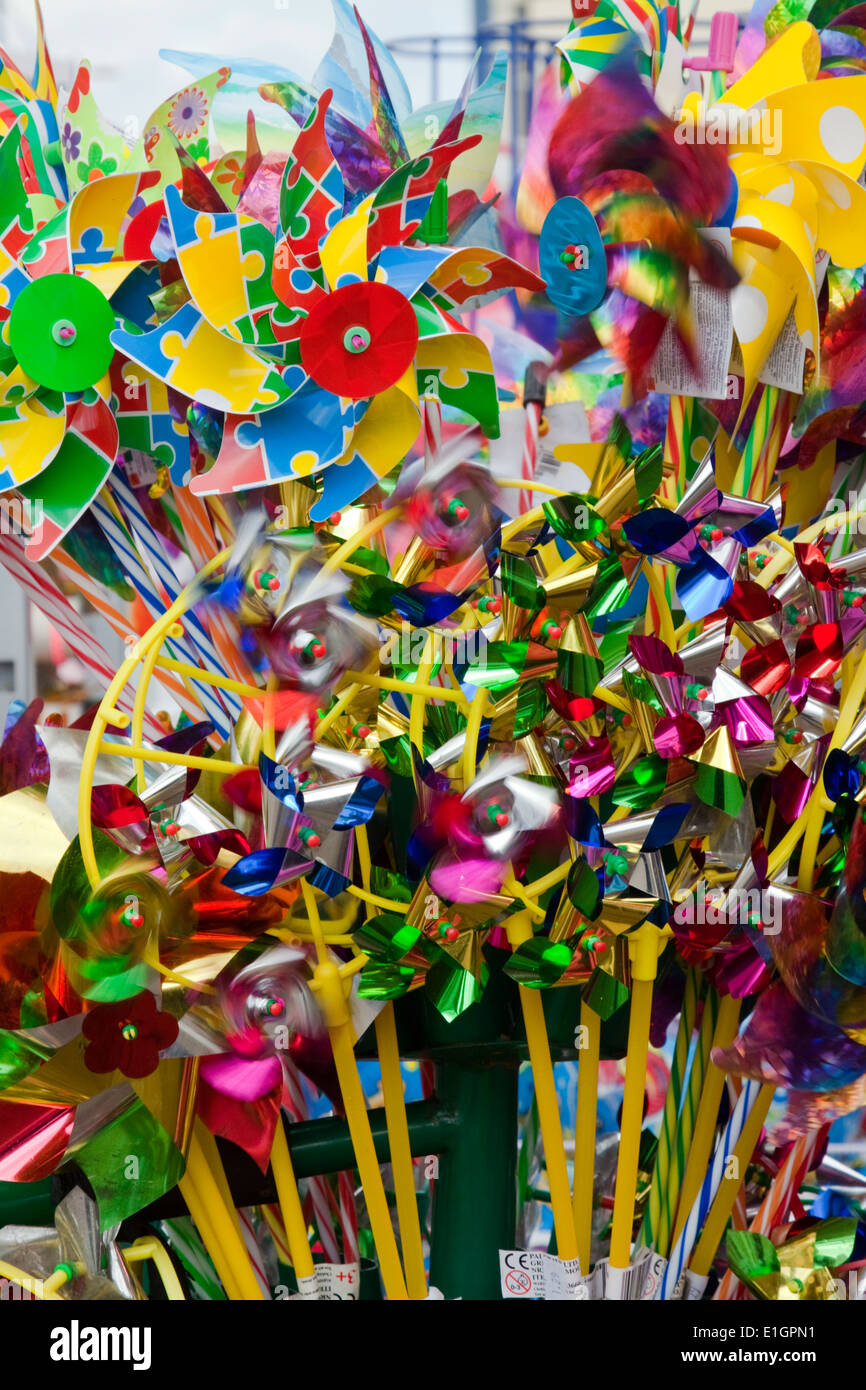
<point>315,341</point>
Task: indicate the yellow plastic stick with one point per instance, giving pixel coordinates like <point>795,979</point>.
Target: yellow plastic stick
<point>708,1108</point>
<point>518,892</point>
<point>432,692</point>
<point>584,1133</point>
<point>215,1165</point>
<point>541,885</point>
<point>720,1211</point>
<point>473,728</point>
<point>395,1118</point>
<point>401,1153</point>
<point>149,1248</point>
<point>419,699</point>
<point>536,487</point>
<point>290,1205</point>
<point>354,542</point>
<point>644,946</point>
<point>631,1125</point>
<point>230,1242</point>
<point>519,930</point>
<point>139,709</point>
<point>330,715</point>
<point>199,1212</point>
<point>809,852</point>
<point>268,735</point>
<point>162,755</point>
<point>221,682</point>
<point>56,1280</point>
<point>339,1027</point>
<point>376,901</point>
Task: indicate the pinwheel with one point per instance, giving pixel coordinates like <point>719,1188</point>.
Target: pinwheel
<point>358,318</point>
<point>308,831</point>
<point>57,423</point>
<point>619,286</point>
<point>807,1029</point>
<point>609,28</point>
<point>704,537</point>
<point>107,1045</point>
<point>796,169</point>
<point>798,1264</point>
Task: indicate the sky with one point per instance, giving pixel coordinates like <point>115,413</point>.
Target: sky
<point>122,39</point>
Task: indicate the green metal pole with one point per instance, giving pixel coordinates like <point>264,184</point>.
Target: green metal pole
<point>325,1145</point>
<point>475,1192</point>
<point>26,1203</point>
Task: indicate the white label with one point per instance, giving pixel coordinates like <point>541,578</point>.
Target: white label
<point>535,1274</point>
<point>694,1286</point>
<point>784,366</point>
<point>713,337</point>
<point>308,1287</point>
<point>625,1285</point>
<point>655,1273</point>
<point>563,1279</point>
<point>337,1282</point>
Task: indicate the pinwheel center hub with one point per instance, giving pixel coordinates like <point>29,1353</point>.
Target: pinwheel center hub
<point>64,332</point>
<point>60,332</point>
<point>359,340</point>
<point>129,1032</point>
<point>356,339</point>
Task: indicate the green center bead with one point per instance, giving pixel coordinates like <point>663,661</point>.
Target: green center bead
<point>356,339</point>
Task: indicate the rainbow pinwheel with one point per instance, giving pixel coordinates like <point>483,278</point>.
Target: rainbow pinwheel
<point>606,29</point>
